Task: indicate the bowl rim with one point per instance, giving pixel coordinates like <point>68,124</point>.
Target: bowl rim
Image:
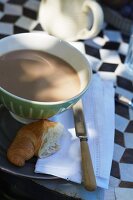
<point>51,102</point>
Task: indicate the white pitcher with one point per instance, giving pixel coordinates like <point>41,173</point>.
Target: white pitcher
<point>71,20</point>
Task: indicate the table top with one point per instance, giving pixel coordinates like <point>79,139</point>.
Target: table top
<point>106,53</point>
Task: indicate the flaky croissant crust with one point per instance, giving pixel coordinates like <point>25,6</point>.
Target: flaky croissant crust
<point>27,142</point>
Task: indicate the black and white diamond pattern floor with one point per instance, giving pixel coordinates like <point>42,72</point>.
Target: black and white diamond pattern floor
<point>106,54</point>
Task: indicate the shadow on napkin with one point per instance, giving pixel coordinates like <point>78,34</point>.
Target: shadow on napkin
<point>98,105</point>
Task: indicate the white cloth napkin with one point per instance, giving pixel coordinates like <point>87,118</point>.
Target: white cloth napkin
<point>98,104</point>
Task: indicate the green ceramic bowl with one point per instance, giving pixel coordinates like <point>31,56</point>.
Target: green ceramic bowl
<point>22,108</point>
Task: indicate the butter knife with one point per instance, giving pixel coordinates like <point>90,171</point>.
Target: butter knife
<point>89,180</point>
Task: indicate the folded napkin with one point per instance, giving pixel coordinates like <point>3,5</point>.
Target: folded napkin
<point>98,105</point>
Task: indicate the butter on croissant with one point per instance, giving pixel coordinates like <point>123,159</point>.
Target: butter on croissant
<point>38,138</point>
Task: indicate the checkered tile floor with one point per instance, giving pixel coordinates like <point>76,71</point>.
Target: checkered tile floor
<point>106,54</point>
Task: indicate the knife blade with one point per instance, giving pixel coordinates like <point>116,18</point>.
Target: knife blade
<point>89,180</point>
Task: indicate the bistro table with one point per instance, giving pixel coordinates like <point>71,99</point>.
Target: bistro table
<point>106,54</point>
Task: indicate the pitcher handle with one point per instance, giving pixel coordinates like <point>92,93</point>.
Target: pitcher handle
<point>98,18</point>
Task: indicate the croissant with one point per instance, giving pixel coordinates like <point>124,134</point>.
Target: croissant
<point>38,138</point>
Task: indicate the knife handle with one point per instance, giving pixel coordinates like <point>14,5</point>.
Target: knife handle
<point>87,167</point>
<point>89,180</point>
